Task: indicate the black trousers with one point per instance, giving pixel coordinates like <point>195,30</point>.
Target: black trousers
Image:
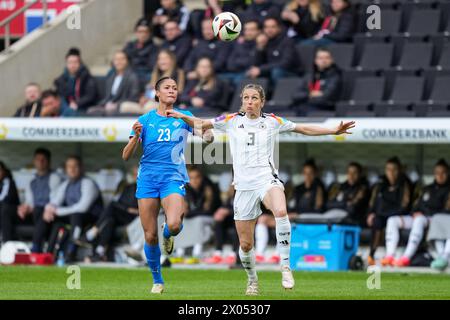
<point>379,224</point>
<point>75,223</point>
<point>224,229</point>
<point>113,216</point>
<point>9,220</point>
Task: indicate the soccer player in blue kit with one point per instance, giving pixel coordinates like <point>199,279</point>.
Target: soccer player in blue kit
<point>162,173</point>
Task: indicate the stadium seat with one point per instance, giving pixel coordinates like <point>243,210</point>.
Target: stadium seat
<point>444,59</point>
<point>391,21</point>
<point>306,56</point>
<point>342,54</point>
<point>415,55</point>
<point>283,92</point>
<point>407,89</point>
<point>367,90</point>
<point>440,93</point>
<point>376,56</point>
<point>423,22</point>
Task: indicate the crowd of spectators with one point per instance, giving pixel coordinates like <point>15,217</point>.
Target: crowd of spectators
<point>175,41</point>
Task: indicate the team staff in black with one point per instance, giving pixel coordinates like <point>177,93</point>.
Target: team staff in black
<point>390,197</point>
<point>177,42</point>
<point>9,200</point>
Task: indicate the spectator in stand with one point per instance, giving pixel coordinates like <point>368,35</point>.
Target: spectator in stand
<point>177,42</point>
<point>322,87</point>
<point>37,196</point>
<point>390,197</point>
<point>166,66</point>
<point>202,200</point>
<point>76,85</point>
<point>243,53</point>
<point>77,202</point>
<point>433,199</point>
<point>304,18</point>
<point>275,54</point>
<point>170,10</point>
<point>261,10</point>
<point>349,199</point>
<point>142,52</point>
<point>9,200</point>
<point>32,106</point>
<point>119,213</point>
<point>53,105</point>
<point>309,198</point>
<point>338,25</point>
<point>223,223</point>
<point>218,51</point>
<point>122,85</point>
<point>203,94</point>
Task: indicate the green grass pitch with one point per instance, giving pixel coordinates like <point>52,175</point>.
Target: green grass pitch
<point>111,283</point>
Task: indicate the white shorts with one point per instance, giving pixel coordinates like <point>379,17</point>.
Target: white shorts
<point>247,203</point>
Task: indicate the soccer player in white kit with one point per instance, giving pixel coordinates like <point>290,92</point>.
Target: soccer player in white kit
<point>252,136</point>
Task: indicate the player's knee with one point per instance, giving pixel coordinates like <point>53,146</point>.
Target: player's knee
<point>151,237</point>
<point>279,212</point>
<point>246,246</point>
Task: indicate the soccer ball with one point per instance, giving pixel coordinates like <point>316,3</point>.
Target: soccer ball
<point>226,26</point>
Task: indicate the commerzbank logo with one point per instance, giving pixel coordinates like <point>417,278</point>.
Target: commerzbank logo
<point>110,133</point>
<point>3,131</point>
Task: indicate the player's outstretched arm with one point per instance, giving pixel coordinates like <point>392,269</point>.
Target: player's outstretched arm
<point>132,144</point>
<point>193,122</point>
<point>313,130</point>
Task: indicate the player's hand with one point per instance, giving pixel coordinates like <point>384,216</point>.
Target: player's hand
<point>48,216</point>
<point>344,127</point>
<point>137,128</point>
<point>261,41</point>
<point>370,219</point>
<point>174,114</point>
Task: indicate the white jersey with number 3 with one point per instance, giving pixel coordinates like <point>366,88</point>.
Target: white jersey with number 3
<point>252,143</point>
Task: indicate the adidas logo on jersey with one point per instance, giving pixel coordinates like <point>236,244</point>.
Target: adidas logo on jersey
<point>241,126</point>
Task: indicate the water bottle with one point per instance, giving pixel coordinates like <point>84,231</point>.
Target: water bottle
<point>60,262</point>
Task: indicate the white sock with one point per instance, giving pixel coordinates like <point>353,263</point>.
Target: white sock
<point>261,238</point>
<point>392,235</point>
<point>248,262</point>
<point>440,247</point>
<point>197,250</point>
<point>180,252</point>
<point>446,254</point>
<point>415,236</point>
<point>283,232</point>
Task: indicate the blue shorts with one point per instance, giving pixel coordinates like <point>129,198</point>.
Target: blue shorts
<point>160,190</point>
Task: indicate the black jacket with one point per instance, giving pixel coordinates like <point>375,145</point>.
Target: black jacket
<point>82,88</point>
<point>180,46</point>
<point>211,97</point>
<point>129,89</point>
<point>434,198</point>
<point>344,28</point>
<point>351,198</point>
<point>26,110</point>
<point>216,50</point>
<point>310,200</point>
<point>8,192</point>
<point>389,200</point>
<point>329,82</point>
<point>306,28</point>
<point>278,53</point>
<point>142,59</point>
<point>243,56</point>
<point>261,11</point>
<point>127,198</point>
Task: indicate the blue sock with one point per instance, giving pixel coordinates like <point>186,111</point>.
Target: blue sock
<point>166,232</point>
<point>153,255</point>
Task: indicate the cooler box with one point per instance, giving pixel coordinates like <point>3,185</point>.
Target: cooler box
<point>322,247</point>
